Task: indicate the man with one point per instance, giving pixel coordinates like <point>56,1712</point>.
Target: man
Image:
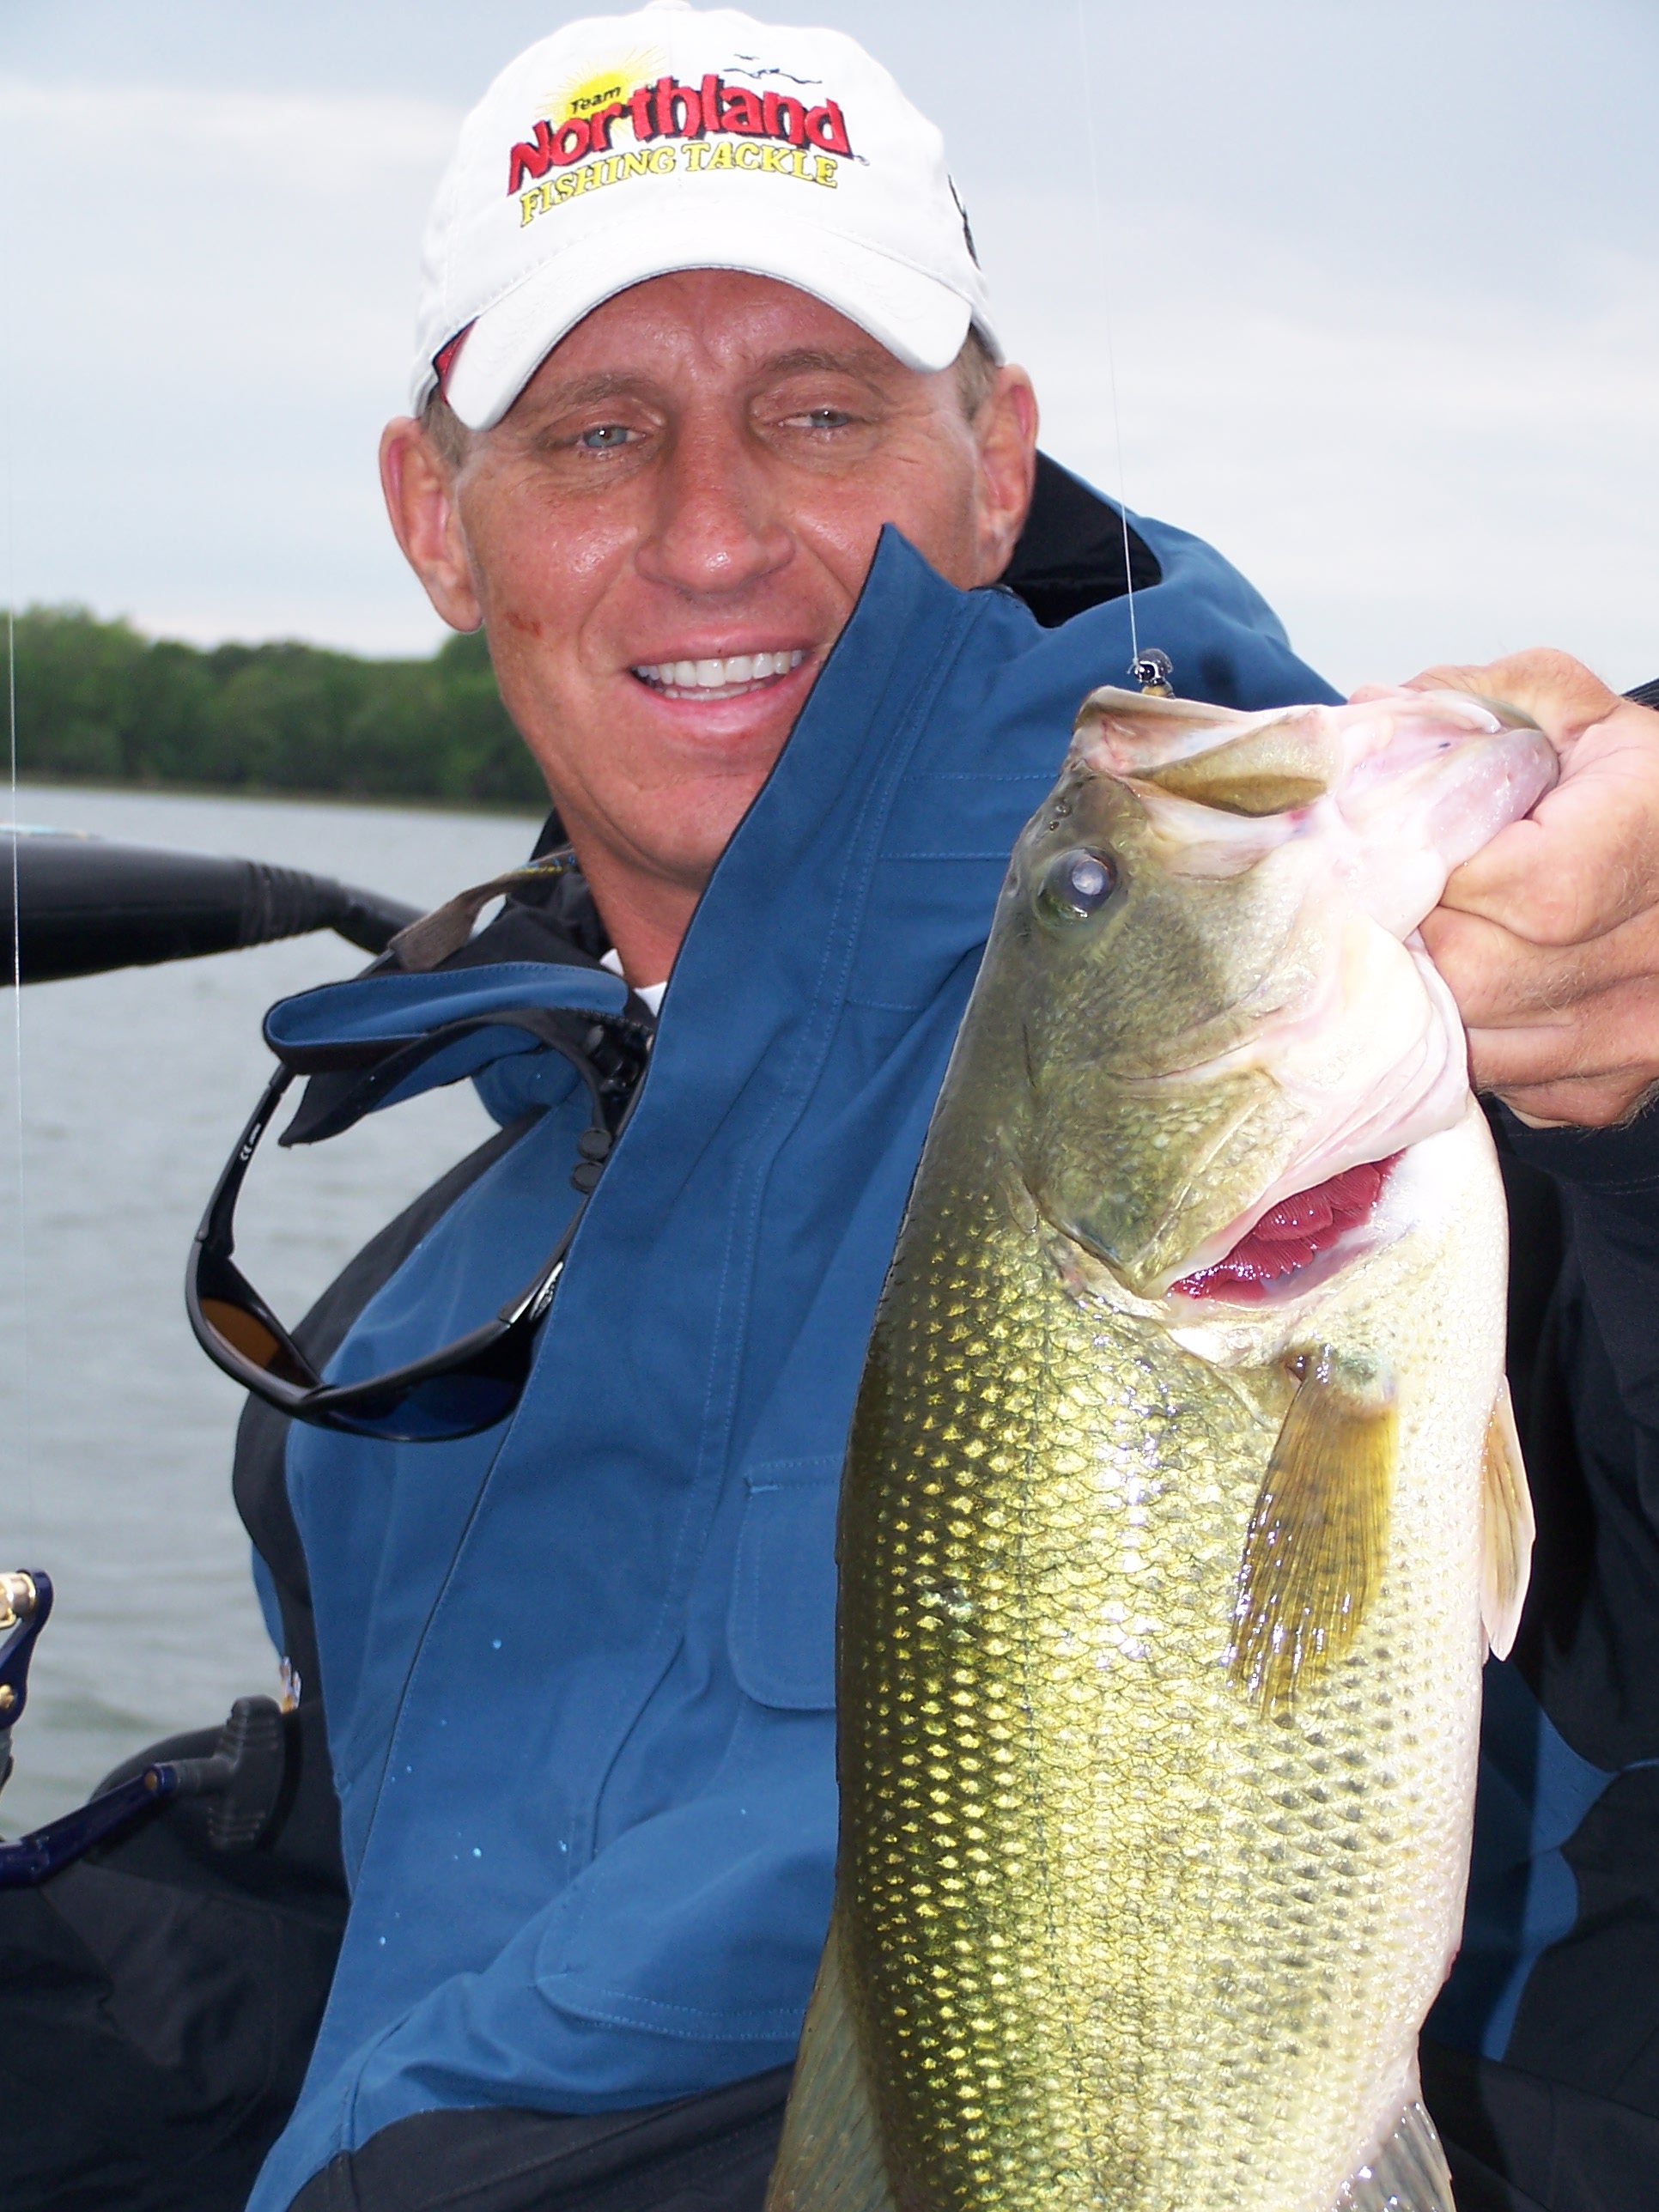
<point>712,434</point>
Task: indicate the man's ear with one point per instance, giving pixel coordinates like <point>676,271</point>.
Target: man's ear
<point>420,497</point>
<point>1006,433</point>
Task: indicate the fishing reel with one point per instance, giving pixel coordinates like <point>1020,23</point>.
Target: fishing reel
<point>25,1603</point>
<point>241,1778</point>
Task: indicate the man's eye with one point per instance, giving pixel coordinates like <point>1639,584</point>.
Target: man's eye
<point>604,437</point>
<point>821,418</point>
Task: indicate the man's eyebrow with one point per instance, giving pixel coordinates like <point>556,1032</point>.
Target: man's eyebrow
<point>614,383</point>
<point>854,360</point>
<point>588,390</point>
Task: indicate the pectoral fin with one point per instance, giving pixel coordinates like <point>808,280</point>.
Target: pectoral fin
<point>1507,1528</point>
<point>830,2159</point>
<point>1317,1539</point>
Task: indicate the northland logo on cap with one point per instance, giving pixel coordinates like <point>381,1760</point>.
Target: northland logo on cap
<point>700,115</point>
<point>576,147</point>
<point>625,148</point>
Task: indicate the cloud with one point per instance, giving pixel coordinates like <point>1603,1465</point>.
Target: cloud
<point>216,291</point>
<point>1405,473</point>
<point>316,145</point>
<point>1377,337</point>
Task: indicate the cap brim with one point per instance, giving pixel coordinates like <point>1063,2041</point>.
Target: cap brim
<point>918,319</point>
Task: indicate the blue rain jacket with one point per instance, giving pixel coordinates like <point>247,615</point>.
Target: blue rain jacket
<point>578,1670</point>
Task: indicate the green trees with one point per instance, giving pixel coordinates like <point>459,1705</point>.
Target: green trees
<point>98,702</point>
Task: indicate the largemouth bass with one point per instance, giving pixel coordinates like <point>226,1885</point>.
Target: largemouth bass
<point>1181,1502</point>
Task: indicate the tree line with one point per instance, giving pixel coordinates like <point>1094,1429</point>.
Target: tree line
<point>98,702</point>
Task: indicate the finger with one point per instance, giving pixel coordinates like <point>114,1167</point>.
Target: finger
<point>1586,858</point>
<point>1593,1102</point>
<point>1502,981</point>
<point>1560,694</point>
<point>1612,1037</point>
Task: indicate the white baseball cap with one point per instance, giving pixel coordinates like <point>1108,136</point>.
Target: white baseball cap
<point>626,146</point>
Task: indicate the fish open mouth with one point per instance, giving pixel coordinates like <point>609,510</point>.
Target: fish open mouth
<point>1297,1241</point>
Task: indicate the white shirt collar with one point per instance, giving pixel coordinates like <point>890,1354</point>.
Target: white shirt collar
<point>651,992</point>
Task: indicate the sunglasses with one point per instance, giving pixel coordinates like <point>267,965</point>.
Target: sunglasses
<point>469,1385</point>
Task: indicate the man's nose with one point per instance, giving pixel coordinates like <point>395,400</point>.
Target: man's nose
<point>717,526</point>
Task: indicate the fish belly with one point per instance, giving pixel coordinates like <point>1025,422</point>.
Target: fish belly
<point>1111,1936</point>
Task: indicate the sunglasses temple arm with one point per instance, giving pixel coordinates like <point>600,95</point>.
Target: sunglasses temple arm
<point>539,1295</point>
<point>215,1232</point>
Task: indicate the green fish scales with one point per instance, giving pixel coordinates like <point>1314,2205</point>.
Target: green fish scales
<point>1118,1934</point>
<point>1162,1616</point>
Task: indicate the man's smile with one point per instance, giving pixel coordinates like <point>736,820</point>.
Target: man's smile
<point>732,676</point>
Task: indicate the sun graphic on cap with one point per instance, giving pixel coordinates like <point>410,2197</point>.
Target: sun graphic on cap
<point>614,82</point>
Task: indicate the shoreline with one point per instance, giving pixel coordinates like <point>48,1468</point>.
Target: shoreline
<point>382,802</point>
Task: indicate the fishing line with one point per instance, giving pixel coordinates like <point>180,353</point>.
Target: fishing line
<point>7,415</point>
<point>1105,291</point>
<point>28,1452</point>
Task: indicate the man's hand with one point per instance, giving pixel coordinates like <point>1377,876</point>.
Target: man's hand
<point>1549,938</point>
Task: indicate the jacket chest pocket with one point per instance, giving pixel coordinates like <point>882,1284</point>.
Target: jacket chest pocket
<point>781,1628</point>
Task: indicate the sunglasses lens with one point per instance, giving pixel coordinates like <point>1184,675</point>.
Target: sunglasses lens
<point>472,1386</point>
<point>457,1405</point>
<point>475,1393</point>
<point>254,1340</point>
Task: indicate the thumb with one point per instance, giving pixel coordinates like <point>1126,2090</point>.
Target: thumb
<point>1563,696</point>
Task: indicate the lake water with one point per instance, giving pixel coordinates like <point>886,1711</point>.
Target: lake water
<point>115,1431</point>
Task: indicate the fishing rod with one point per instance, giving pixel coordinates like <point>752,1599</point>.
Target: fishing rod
<point>75,905</point>
<point>241,1777</point>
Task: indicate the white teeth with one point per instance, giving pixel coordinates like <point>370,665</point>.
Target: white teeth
<point>703,677</point>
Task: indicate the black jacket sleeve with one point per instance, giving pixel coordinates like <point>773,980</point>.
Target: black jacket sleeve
<point>1584,1365</point>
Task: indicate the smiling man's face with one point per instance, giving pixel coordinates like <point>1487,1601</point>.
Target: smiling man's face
<point>667,533</point>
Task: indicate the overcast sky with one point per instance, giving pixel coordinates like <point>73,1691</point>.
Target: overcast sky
<point>1380,279</point>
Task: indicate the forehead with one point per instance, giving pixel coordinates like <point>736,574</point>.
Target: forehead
<point>707,325</point>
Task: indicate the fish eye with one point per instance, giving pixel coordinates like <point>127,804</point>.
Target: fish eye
<point>1077,884</point>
